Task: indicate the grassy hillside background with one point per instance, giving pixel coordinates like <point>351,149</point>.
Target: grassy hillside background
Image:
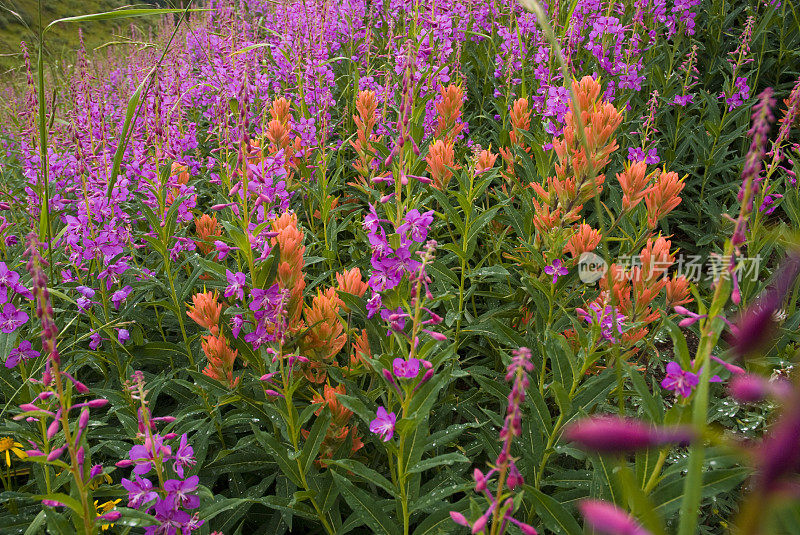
<point>62,41</point>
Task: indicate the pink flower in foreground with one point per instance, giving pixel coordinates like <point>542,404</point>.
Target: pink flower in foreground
<point>612,434</point>
<point>383,425</point>
<point>609,519</point>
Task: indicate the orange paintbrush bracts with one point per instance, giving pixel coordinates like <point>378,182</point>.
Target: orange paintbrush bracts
<point>520,122</point>
<point>290,271</point>
<point>205,311</point>
<point>585,239</point>
<point>662,197</point>
<point>366,118</point>
<point>484,160</point>
<point>441,161</point>
<point>325,336</point>
<point>633,180</point>
<point>351,282</point>
<point>449,123</point>
<point>220,360</point>
<point>578,176</point>
<point>208,230</point>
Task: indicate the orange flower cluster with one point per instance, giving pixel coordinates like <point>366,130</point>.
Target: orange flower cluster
<point>660,198</point>
<point>636,287</point>
<point>279,135</point>
<point>179,176</point>
<point>338,430</point>
<point>578,176</point>
<point>484,160</point>
<point>365,119</point>
<point>290,271</point>
<point>361,350</point>
<point>351,282</point>
<point>449,123</point>
<point>205,311</point>
<point>207,230</point>
<point>441,159</point>
<point>326,336</point>
<point>585,239</point>
<point>220,360</point>
<point>520,122</point>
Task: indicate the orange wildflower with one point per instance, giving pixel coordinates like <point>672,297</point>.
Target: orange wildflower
<point>633,180</point>
<point>361,350</point>
<point>220,360</point>
<point>449,123</point>
<point>440,159</point>
<point>584,240</point>
<point>351,282</point>
<point>325,336</point>
<point>655,258</point>
<point>290,271</point>
<point>330,399</point>
<point>365,119</point>
<point>678,291</point>
<point>180,172</point>
<point>207,228</point>
<point>520,121</point>
<point>205,311</point>
<point>662,197</point>
<point>484,161</point>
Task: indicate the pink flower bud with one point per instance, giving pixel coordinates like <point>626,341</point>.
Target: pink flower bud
<point>480,524</point>
<point>170,436</point>
<point>111,516</point>
<point>83,420</point>
<point>612,434</point>
<point>97,403</point>
<point>53,428</point>
<point>29,407</point>
<point>748,388</point>
<point>607,518</point>
<point>125,463</point>
<point>56,453</point>
<point>480,480</point>
<point>458,518</point>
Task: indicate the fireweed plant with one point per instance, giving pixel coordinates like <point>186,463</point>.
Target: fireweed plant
<point>404,267</point>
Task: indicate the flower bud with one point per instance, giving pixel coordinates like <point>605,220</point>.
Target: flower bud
<point>612,434</point>
<point>56,453</point>
<point>607,518</point>
<point>458,518</point>
<point>748,388</point>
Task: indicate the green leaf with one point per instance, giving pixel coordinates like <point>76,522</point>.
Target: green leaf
<point>445,459</point>
<point>366,473</point>
<point>279,451</point>
<point>552,513</point>
<point>370,510</point>
<point>314,440</point>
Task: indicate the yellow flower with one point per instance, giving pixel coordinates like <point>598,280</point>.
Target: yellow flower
<point>103,508</point>
<point>7,445</point>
